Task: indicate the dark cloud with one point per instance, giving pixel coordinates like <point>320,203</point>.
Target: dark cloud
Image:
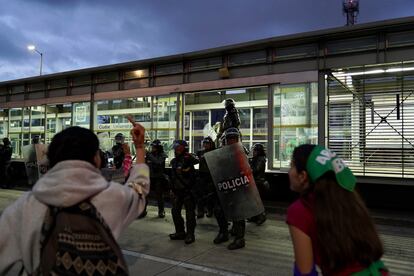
<point>77,34</point>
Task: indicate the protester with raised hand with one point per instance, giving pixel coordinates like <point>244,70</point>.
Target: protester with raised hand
<point>73,178</point>
<point>329,224</point>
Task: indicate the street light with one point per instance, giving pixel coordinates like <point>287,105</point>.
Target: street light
<point>33,49</point>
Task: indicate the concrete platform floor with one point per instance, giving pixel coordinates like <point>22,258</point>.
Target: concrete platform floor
<point>268,251</point>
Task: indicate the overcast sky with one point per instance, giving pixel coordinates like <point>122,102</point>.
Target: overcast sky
<point>75,34</point>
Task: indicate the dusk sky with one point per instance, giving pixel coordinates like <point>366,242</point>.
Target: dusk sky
<point>75,34</point>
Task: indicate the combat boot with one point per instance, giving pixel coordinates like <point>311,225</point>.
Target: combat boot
<point>261,219</point>
<point>189,238</point>
<point>236,244</point>
<point>161,214</point>
<point>177,236</point>
<point>221,237</point>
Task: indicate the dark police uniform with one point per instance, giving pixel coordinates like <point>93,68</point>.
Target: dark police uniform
<point>205,187</point>
<point>156,163</point>
<point>230,120</point>
<point>183,178</point>
<point>258,166</point>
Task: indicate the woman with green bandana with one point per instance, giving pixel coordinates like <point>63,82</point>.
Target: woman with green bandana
<point>329,224</point>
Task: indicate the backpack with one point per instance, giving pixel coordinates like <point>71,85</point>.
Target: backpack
<point>119,155</point>
<point>76,241</point>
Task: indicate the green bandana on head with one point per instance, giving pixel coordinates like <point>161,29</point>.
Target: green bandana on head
<point>322,160</point>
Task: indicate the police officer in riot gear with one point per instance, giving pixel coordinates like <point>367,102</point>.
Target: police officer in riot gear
<point>118,151</point>
<point>232,136</point>
<point>156,162</point>
<point>182,182</point>
<point>205,186</point>
<point>231,119</point>
<point>258,166</point>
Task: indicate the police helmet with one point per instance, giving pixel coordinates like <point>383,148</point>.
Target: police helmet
<point>208,140</point>
<point>156,143</point>
<point>259,148</point>
<point>229,103</point>
<point>232,132</point>
<point>119,138</point>
<point>178,143</point>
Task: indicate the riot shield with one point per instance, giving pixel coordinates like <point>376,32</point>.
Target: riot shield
<point>41,158</point>
<point>30,162</point>
<point>234,182</point>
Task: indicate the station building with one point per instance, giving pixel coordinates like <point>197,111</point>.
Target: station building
<point>349,88</point>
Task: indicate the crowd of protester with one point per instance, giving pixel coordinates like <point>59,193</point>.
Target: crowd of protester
<point>329,224</point>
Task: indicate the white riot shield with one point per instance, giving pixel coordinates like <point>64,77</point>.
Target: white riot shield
<point>30,162</point>
<point>41,157</point>
<point>234,182</point>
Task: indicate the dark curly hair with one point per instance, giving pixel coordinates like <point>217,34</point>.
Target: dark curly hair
<point>73,143</point>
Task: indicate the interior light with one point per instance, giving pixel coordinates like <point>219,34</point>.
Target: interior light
<point>391,70</point>
<point>238,91</point>
<point>139,73</point>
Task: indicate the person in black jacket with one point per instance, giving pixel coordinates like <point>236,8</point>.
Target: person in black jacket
<point>231,118</point>
<point>258,166</point>
<point>118,151</point>
<point>183,178</point>
<point>205,186</point>
<point>5,157</point>
<point>156,162</point>
<point>232,136</point>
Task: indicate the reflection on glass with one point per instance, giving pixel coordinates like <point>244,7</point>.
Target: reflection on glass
<point>165,122</point>
<point>4,120</point>
<point>111,119</point>
<point>15,130</point>
<point>198,121</point>
<point>207,108</point>
<point>59,117</point>
<point>81,112</point>
<point>295,120</point>
<point>37,123</point>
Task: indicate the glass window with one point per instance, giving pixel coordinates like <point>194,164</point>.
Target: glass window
<point>4,123</point>
<point>17,89</point>
<point>107,77</point>
<point>351,45</point>
<point>165,69</point>
<point>15,130</point>
<point>37,123</point>
<point>302,51</point>
<point>204,110</point>
<point>81,114</point>
<point>58,83</point>
<point>37,86</point>
<point>81,80</point>
<point>3,90</point>
<point>260,126</point>
<point>400,39</point>
<point>295,120</point>
<point>205,63</point>
<point>136,74</point>
<point>59,117</point>
<point>248,58</point>
<point>194,126</point>
<point>26,126</point>
<point>111,119</point>
<point>165,122</point>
